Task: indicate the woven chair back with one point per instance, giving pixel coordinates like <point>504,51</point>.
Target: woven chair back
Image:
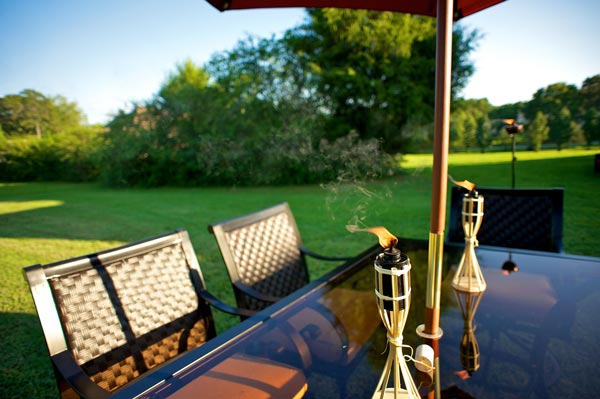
<point>514,218</point>
<point>126,310</point>
<point>262,251</point>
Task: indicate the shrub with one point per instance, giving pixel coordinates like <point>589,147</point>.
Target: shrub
<point>140,152</point>
<point>58,157</point>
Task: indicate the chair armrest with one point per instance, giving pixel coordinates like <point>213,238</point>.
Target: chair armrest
<point>76,378</point>
<point>255,294</point>
<point>223,307</point>
<point>312,254</point>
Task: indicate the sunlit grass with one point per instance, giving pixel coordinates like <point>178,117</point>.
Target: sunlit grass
<point>416,161</point>
<point>16,253</point>
<point>19,206</point>
<point>46,222</point>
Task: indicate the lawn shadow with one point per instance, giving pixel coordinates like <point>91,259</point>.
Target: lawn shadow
<point>26,368</point>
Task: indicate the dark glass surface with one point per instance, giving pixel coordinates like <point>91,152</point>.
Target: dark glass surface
<point>532,336</point>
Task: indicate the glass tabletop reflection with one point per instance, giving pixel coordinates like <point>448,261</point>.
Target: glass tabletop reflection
<point>530,335</point>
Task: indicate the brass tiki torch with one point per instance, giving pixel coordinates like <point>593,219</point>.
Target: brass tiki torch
<point>392,291</point>
<point>468,276</point>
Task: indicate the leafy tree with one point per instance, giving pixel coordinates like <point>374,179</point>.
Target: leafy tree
<point>470,125</point>
<point>186,106</point>
<point>470,134</point>
<point>373,70</point>
<point>464,42</point>
<point>590,93</point>
<point>577,133</point>
<point>68,156</point>
<point>538,131</point>
<point>31,112</point>
<point>590,107</point>
<point>457,129</point>
<point>233,127</point>
<point>484,132</point>
<point>186,78</point>
<point>591,126</point>
<point>2,138</point>
<point>552,100</point>
<point>561,128</point>
<point>264,88</point>
<point>508,111</point>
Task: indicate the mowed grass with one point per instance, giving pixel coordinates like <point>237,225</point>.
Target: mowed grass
<point>45,222</point>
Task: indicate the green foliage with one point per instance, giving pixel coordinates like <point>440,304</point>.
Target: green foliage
<point>590,93</point>
<point>265,70</point>
<point>590,104</point>
<point>58,157</point>
<point>464,42</point>
<point>561,127</point>
<point>484,132</point>
<point>571,114</point>
<point>561,103</point>
<point>261,92</point>
<point>32,113</point>
<point>317,105</point>
<point>2,139</point>
<point>591,125</point>
<point>470,126</point>
<point>374,70</point>
<point>247,125</point>
<point>153,155</point>
<point>538,131</point>
<point>552,99</point>
<point>508,111</point>
<point>188,77</point>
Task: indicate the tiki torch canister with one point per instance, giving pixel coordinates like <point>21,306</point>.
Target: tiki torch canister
<point>392,291</point>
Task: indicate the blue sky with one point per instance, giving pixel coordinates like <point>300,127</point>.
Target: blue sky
<point>106,54</point>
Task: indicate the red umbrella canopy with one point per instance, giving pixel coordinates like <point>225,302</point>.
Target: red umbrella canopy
<point>462,8</point>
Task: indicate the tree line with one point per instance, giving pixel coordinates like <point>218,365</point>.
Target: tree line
<point>560,115</point>
<point>332,99</point>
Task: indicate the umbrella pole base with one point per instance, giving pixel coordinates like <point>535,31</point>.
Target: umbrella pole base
<point>421,333</point>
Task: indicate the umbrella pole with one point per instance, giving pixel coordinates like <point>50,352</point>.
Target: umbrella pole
<point>443,77</point>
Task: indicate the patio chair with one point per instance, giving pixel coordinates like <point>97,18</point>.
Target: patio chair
<point>264,255</point>
<point>525,218</point>
<point>110,316</point>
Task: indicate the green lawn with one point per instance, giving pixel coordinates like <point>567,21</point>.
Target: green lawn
<point>44,222</point>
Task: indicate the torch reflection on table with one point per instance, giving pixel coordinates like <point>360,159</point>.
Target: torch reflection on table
<point>469,348</point>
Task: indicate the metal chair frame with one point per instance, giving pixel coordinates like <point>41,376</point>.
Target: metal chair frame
<point>286,258</point>
<point>58,312</point>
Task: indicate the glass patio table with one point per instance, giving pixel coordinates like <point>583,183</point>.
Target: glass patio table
<point>533,335</point>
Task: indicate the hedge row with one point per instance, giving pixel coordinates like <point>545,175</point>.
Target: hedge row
<point>278,159</point>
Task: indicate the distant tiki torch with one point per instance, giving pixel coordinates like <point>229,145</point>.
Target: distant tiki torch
<point>512,128</point>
